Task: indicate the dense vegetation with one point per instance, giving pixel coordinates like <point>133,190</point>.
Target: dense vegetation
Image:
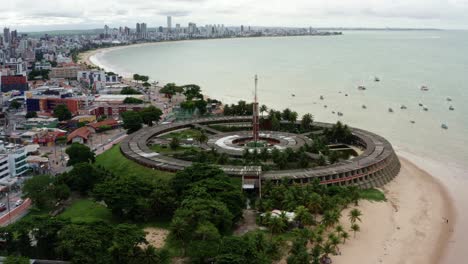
<point>134,120</point>
<point>62,113</point>
<point>316,227</point>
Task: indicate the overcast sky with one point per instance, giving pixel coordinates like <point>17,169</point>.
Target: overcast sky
<point>35,15</point>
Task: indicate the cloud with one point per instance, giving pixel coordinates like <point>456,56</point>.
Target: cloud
<point>25,14</point>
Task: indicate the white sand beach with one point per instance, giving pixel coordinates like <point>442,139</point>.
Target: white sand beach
<point>411,227</point>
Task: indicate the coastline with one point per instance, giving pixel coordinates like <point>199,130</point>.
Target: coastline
<point>381,217</point>
<point>409,228</point>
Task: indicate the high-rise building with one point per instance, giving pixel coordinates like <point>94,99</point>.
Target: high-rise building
<point>6,36</point>
<point>144,32</point>
<point>169,24</point>
<point>138,29</point>
<point>106,31</point>
<point>178,28</point>
<point>242,28</point>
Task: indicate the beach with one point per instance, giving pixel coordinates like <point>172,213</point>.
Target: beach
<point>411,227</point>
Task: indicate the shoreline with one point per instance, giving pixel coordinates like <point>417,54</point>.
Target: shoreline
<point>445,244</point>
<point>410,227</point>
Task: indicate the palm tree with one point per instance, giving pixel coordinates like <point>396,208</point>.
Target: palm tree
<point>179,231</point>
<point>328,249</point>
<point>276,225</point>
<point>331,217</point>
<point>339,229</point>
<point>201,137</point>
<point>263,108</point>
<point>306,122</point>
<point>344,236</point>
<point>303,215</point>
<point>355,228</point>
<point>334,240</point>
<point>355,215</point>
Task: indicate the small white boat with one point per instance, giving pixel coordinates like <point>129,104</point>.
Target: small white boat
<point>449,99</point>
<point>403,107</point>
<point>451,108</point>
<point>321,97</point>
<point>412,121</point>
<point>424,88</point>
<point>333,112</point>
<point>420,104</point>
<point>293,95</point>
<point>390,110</point>
<point>362,88</point>
<point>346,95</point>
<point>364,107</point>
<point>376,79</point>
<point>425,108</point>
<point>444,126</point>
<point>325,106</point>
<point>340,114</point>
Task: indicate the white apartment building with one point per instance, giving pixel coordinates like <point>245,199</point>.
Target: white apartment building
<point>12,160</point>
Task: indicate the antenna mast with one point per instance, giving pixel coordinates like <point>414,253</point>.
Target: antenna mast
<point>255,121</point>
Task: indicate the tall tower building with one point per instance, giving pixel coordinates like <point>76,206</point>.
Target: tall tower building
<point>169,24</point>
<point>144,33</point>
<point>138,30</point>
<point>6,36</point>
<point>256,120</point>
<point>106,31</point>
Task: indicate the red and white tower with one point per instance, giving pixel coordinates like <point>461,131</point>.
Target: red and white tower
<point>255,121</point>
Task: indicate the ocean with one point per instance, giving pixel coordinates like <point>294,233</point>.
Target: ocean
<point>295,71</point>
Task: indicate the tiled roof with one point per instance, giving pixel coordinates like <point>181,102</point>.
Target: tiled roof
<point>82,132</point>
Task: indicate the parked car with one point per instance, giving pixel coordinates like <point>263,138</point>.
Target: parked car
<point>2,207</point>
<point>19,202</point>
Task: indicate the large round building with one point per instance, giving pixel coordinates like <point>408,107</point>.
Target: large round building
<point>375,165</point>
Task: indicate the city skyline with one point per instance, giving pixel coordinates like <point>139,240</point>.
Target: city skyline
<point>27,16</point>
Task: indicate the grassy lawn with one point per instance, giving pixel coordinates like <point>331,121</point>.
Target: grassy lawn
<point>373,195</point>
<point>88,211</point>
<point>114,161</point>
<point>168,150</point>
<point>184,134</point>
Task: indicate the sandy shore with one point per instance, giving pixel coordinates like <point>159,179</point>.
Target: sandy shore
<point>411,227</point>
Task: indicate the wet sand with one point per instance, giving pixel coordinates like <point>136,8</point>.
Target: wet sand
<point>411,227</point>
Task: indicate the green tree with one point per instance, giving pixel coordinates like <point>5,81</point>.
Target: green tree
<point>128,197</point>
<point>16,260</point>
<point>201,137</point>
<point>355,228</point>
<point>15,104</point>
<point>303,215</point>
<point>86,243</point>
<point>150,114</point>
<point>40,189</point>
<point>354,215</point>
<point>331,217</point>
<point>298,253</point>
<point>175,143</point>
<point>132,100</point>
<point>263,109</point>
<point>132,121</point>
<point>275,124</point>
<point>306,122</point>
<point>276,225</point>
<point>62,113</point>
<point>180,231</point>
<point>136,77</point>
<point>83,177</point>
<point>129,91</point>
<point>31,114</point>
<point>79,153</point>
<point>344,235</point>
<point>192,91</point>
